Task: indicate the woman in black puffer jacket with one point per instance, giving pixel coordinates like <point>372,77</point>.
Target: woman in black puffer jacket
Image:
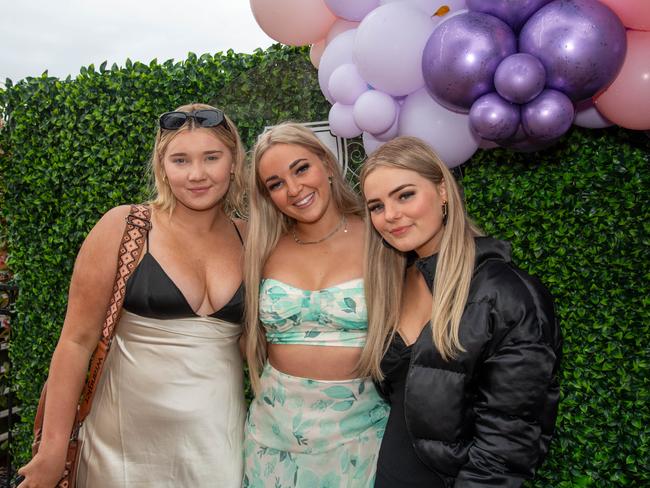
<point>463,344</point>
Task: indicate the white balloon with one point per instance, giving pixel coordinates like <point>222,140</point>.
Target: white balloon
<point>388,47</point>
<point>448,133</point>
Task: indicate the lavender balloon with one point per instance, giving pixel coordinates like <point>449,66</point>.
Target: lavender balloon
<point>461,56</point>
<point>581,43</point>
<point>520,78</point>
<point>513,12</point>
<point>355,10</point>
<point>588,116</point>
<point>494,118</point>
<point>548,116</point>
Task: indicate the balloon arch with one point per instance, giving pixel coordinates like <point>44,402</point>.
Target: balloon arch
<point>469,74</point>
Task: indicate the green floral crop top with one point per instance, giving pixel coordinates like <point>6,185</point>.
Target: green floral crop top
<point>333,316</point>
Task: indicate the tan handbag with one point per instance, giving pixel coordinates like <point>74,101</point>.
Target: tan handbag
<point>138,224</point>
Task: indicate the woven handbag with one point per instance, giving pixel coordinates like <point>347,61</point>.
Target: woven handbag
<point>138,224</point>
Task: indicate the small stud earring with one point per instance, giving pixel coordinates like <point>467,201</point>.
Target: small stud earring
<point>329,178</point>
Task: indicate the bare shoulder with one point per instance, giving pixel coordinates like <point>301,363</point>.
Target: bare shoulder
<point>103,239</point>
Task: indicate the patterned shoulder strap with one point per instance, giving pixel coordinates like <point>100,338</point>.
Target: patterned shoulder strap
<point>138,224</point>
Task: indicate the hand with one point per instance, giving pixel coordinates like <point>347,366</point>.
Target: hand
<point>43,471</point>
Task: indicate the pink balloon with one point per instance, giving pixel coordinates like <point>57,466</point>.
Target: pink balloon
<point>375,111</point>
<point>342,121</point>
<point>293,22</point>
<point>447,132</point>
<point>346,85</point>
<point>316,52</point>
<point>635,14</point>
<point>626,101</point>
<point>388,47</point>
<point>337,52</point>
<point>351,9</point>
<point>339,27</point>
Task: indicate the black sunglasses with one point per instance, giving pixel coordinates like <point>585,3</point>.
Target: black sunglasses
<point>204,118</point>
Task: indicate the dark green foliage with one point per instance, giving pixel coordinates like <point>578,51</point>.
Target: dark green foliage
<point>577,216</point>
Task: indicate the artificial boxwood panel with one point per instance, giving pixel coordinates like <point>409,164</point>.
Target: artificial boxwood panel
<point>576,215</point>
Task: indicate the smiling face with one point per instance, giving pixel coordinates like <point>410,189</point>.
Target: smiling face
<point>297,182</point>
<point>406,209</point>
<point>197,166</point>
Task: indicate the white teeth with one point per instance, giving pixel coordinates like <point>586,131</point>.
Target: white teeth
<point>304,201</point>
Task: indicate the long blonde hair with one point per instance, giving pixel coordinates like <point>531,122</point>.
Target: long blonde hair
<point>267,224</point>
<point>385,267</point>
<point>163,199</point>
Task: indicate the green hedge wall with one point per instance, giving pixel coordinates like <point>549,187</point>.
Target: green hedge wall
<point>576,214</point>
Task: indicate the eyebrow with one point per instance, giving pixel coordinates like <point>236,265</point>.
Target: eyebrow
<point>391,193</point>
<point>215,151</point>
<point>292,164</point>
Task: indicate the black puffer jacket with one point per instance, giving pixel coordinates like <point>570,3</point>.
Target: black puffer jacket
<point>486,417</point>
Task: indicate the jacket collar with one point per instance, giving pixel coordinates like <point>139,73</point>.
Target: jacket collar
<point>487,248</point>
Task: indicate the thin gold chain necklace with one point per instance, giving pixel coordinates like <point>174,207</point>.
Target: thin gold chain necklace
<point>342,223</point>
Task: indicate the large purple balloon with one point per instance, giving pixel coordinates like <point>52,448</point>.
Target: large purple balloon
<point>521,142</point>
<point>520,78</point>
<point>512,12</point>
<point>461,56</point>
<point>548,116</point>
<point>494,118</point>
<point>581,43</point>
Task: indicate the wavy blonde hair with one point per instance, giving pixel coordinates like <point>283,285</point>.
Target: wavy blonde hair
<point>267,224</point>
<point>162,197</point>
<point>385,267</point>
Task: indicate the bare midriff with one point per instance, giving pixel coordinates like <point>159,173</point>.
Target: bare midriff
<point>315,362</point>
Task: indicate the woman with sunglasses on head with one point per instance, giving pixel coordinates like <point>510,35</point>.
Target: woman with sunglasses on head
<point>169,408</point>
<point>313,421</point>
<point>463,344</point>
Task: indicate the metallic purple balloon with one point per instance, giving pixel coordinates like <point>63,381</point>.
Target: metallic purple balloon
<point>494,118</point>
<point>513,12</point>
<point>520,78</point>
<point>581,43</point>
<point>548,116</point>
<point>461,56</point>
<point>520,142</point>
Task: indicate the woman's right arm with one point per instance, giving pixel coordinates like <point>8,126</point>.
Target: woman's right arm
<point>90,291</point>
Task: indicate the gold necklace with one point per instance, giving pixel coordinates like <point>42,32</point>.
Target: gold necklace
<point>342,223</point>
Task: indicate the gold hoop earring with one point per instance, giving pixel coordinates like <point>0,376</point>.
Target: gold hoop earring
<point>164,178</point>
<point>445,212</point>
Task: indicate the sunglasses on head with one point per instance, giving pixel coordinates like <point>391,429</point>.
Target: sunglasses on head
<point>204,118</point>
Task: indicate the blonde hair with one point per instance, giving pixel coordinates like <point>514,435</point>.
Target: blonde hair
<point>267,224</point>
<point>163,199</point>
<point>385,267</point>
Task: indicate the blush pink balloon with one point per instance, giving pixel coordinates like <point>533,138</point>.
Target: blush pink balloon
<point>293,22</point>
<point>339,27</point>
<point>316,52</point>
<point>635,14</point>
<point>626,101</point>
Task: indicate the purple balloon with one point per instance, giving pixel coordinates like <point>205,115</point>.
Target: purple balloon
<point>348,10</point>
<point>581,43</point>
<point>587,115</point>
<point>494,118</point>
<point>513,12</point>
<point>548,116</point>
<point>521,142</point>
<point>520,78</point>
<point>461,56</point>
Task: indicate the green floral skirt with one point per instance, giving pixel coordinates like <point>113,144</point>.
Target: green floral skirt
<point>313,434</point>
